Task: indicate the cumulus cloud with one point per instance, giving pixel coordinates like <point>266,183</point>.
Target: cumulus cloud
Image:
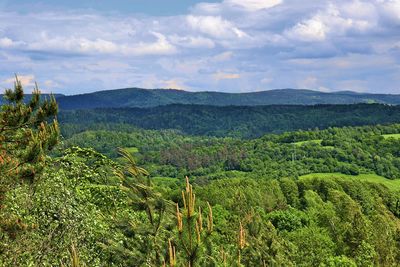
<point>334,21</point>
<point>83,45</point>
<point>72,44</point>
<point>6,42</point>
<point>26,80</point>
<point>310,30</point>
<point>160,47</point>
<point>214,26</point>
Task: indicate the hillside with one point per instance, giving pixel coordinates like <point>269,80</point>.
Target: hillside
<point>306,198</point>
<point>350,150</point>
<point>235,121</point>
<point>136,97</point>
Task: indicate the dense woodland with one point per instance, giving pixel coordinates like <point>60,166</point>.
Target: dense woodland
<point>235,121</point>
<point>137,97</point>
<point>304,198</point>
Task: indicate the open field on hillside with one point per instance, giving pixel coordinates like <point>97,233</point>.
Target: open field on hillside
<point>396,136</point>
<point>372,178</point>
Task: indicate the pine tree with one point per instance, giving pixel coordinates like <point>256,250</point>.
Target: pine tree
<point>26,135</point>
<point>150,233</point>
<point>193,242</point>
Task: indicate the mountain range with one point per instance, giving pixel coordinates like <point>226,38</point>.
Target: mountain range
<point>144,98</point>
<point>136,97</point>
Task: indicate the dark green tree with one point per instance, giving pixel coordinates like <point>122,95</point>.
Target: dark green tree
<point>147,235</point>
<point>28,130</point>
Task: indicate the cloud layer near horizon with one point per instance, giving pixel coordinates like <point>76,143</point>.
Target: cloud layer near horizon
<point>231,46</point>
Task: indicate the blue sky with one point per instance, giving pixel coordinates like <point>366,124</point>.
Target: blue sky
<point>75,46</point>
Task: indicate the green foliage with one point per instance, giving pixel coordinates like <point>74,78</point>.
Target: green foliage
<point>352,151</point>
<point>59,213</point>
<point>371,178</point>
<point>25,134</point>
<point>193,243</point>
<point>280,200</point>
<point>148,233</point>
<point>236,121</point>
<point>137,97</point>
<point>25,138</point>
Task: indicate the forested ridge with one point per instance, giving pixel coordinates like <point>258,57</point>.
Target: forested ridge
<point>111,194</point>
<point>137,97</point>
<point>145,98</point>
<point>236,121</point>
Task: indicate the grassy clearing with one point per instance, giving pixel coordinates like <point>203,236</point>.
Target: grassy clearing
<point>395,136</point>
<point>372,178</point>
<point>317,141</point>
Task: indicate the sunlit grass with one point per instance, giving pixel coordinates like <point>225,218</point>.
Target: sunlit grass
<point>317,141</point>
<point>395,136</point>
<point>372,178</point>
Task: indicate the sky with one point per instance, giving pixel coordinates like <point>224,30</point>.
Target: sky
<point>78,46</point>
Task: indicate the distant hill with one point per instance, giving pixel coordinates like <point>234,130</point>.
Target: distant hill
<point>136,97</point>
<point>145,98</point>
<point>235,121</point>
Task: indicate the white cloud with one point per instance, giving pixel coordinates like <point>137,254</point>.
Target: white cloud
<point>254,5</point>
<point>391,9</point>
<point>310,30</point>
<point>335,21</point>
<point>357,9</point>
<point>26,80</point>
<point>208,8</point>
<point>214,26</point>
<point>192,41</point>
<point>73,44</point>
<point>161,47</point>
<point>6,42</point>
<point>246,6</point>
<point>9,43</point>
<point>86,46</point>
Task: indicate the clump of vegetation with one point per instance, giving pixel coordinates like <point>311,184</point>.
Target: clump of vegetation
<point>244,206</point>
<point>25,138</point>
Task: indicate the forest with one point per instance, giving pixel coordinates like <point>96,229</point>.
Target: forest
<point>233,121</point>
<point>96,190</point>
<point>145,98</point>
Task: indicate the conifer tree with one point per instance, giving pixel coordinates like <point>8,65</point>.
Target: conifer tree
<point>193,242</point>
<point>28,130</point>
<point>149,234</point>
